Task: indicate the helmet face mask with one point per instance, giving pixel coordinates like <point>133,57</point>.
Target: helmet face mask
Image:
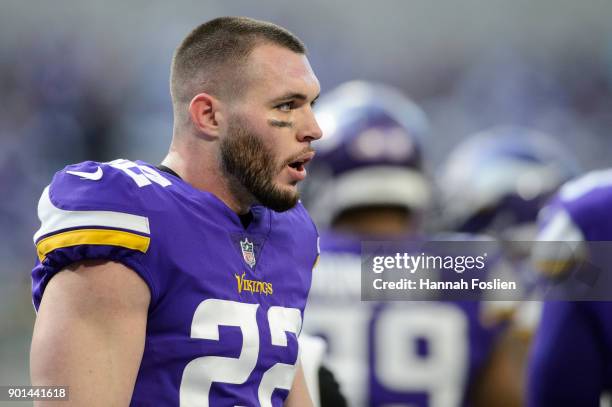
<point>370,155</point>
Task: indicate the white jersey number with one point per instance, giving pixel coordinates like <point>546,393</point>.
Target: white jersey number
<point>441,371</point>
<point>438,369</point>
<point>143,177</point>
<point>200,373</point>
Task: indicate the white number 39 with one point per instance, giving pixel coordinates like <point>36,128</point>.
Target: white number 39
<point>200,373</point>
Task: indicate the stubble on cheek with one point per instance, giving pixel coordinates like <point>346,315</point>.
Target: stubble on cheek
<point>252,163</point>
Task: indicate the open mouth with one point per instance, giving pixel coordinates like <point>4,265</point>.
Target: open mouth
<point>298,165</point>
<point>301,161</point>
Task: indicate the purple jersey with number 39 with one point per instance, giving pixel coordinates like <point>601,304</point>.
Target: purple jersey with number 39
<point>402,353</point>
<point>226,301</point>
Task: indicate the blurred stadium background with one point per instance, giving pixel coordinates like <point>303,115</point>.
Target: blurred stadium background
<point>88,80</point>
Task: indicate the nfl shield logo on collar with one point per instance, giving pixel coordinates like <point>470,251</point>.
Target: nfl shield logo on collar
<point>247,252</point>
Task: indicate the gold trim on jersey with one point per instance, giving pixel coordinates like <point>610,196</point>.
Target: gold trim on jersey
<point>54,219</point>
<point>316,262</point>
<point>92,236</point>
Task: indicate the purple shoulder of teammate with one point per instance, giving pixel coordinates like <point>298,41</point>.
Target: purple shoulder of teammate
<point>571,359</point>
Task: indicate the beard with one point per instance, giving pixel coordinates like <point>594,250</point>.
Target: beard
<point>247,160</point>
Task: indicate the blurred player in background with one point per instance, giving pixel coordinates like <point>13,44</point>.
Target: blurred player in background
<point>571,359</point>
<point>185,284</point>
<point>369,184</point>
<point>496,182</point>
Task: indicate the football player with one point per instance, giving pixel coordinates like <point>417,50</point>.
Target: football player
<point>369,184</point>
<point>185,284</point>
<point>496,182</point>
<point>571,360</point>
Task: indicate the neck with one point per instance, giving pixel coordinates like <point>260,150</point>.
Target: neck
<point>200,167</point>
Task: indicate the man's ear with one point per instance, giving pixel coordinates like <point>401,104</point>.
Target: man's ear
<point>204,113</point>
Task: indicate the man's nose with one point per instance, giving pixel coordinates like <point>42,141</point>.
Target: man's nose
<point>311,130</point>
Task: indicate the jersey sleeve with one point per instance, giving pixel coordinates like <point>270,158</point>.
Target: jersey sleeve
<point>565,362</point>
<point>90,211</point>
<point>567,365</point>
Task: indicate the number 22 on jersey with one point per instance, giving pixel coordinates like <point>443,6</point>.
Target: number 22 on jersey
<point>200,373</point>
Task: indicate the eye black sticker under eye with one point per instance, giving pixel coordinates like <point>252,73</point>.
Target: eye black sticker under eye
<point>279,123</point>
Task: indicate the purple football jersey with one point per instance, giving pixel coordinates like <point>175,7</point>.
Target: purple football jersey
<point>402,353</point>
<point>571,358</point>
<point>226,301</point>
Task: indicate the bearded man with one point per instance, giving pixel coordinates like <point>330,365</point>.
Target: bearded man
<point>185,284</point>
